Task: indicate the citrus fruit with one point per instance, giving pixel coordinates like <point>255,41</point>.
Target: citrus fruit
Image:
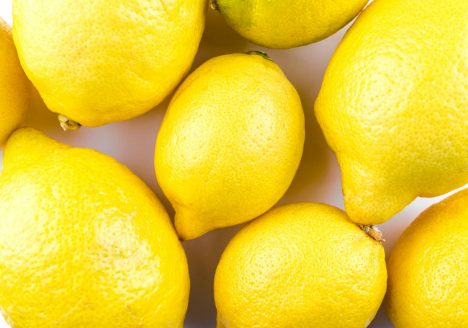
<point>393,105</point>
<point>230,143</point>
<point>301,265</point>
<point>84,242</point>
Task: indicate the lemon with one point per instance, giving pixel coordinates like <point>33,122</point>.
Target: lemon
<point>96,62</point>
<point>428,285</point>
<point>14,86</point>
<point>301,265</point>
<point>230,143</point>
<point>287,24</point>
<point>84,242</point>
<point>393,105</point>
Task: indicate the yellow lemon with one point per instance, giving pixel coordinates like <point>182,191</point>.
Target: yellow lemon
<point>287,24</point>
<point>428,283</point>
<point>394,105</point>
<point>14,86</point>
<point>84,243</point>
<point>230,143</point>
<point>301,265</point>
<point>96,62</point>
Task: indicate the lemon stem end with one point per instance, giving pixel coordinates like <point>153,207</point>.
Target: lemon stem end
<point>214,5</point>
<point>373,232</point>
<point>67,124</point>
<point>259,53</point>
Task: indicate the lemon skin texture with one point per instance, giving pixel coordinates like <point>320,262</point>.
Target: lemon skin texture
<point>427,285</point>
<point>14,86</point>
<point>230,143</point>
<point>300,265</point>
<point>84,242</point>
<point>393,105</point>
<point>97,62</point>
<point>287,24</point>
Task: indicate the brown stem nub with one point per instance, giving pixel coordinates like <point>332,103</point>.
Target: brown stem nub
<point>214,5</point>
<point>373,232</point>
<point>67,124</point>
<point>259,53</point>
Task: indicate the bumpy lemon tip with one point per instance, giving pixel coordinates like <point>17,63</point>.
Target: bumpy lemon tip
<point>188,233</point>
<point>67,124</point>
<point>189,226</point>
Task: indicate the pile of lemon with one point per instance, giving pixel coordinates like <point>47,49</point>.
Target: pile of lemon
<point>85,243</point>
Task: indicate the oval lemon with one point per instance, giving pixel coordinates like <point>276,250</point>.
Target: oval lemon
<point>427,285</point>
<point>84,242</point>
<point>230,143</point>
<point>394,105</point>
<point>301,265</point>
<point>287,24</point>
<point>96,62</point>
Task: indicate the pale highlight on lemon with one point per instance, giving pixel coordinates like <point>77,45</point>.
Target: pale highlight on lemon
<point>84,242</point>
<point>393,105</point>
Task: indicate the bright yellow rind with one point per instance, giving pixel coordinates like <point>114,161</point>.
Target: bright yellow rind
<point>230,143</point>
<point>14,86</point>
<point>301,265</point>
<point>428,268</point>
<point>97,62</point>
<point>393,105</point>
<point>84,242</point>
<point>287,24</point>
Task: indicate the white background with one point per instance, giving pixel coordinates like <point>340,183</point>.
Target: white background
<point>318,178</point>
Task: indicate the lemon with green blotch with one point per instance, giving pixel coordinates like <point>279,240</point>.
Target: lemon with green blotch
<point>14,86</point>
<point>287,24</point>
<point>393,105</point>
<point>427,285</point>
<point>85,243</point>
<point>97,62</point>
<point>230,143</point>
<point>300,265</point>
